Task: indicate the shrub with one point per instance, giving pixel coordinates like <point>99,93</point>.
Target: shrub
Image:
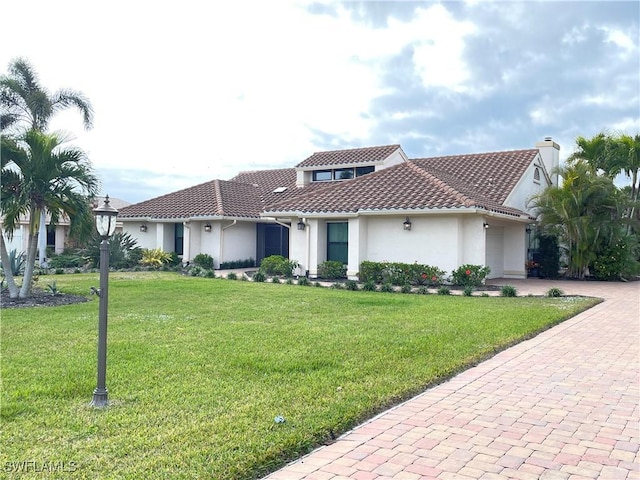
<point>387,287</point>
<point>276,280</point>
<point>67,260</point>
<point>444,291</point>
<point>203,260</point>
<point>304,281</point>
<point>554,292</point>
<point>332,269</point>
<point>278,265</point>
<point>209,273</point>
<point>174,259</point>
<point>549,256</point>
<point>232,276</point>
<point>468,291</point>
<point>371,271</point>
<point>259,277</point>
<point>123,252</point>
<point>406,288</point>
<point>154,257</point>
<point>16,262</point>
<point>247,263</point>
<point>53,289</point>
<point>289,281</point>
<point>195,271</point>
<point>317,284</point>
<point>470,275</point>
<point>351,285</point>
<point>508,291</point>
<point>59,271</point>
<point>398,273</point>
<point>369,286</point>
<point>337,286</point>
<point>422,290</point>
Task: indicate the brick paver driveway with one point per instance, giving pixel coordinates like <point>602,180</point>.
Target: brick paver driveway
<point>563,405</point>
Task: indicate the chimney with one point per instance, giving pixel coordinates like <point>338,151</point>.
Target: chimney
<point>550,153</point>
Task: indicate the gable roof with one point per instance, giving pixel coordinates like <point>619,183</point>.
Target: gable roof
<point>209,199</point>
<point>348,157</point>
<point>481,181</point>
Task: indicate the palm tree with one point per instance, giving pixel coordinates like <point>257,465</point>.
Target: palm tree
<point>24,101</point>
<point>596,152</point>
<point>581,213</point>
<point>50,179</point>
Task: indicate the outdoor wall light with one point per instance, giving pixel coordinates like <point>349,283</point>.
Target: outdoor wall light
<point>106,225</point>
<point>407,224</point>
<point>143,228</point>
<point>301,225</point>
<point>485,225</point>
<point>207,228</point>
<point>528,229</point>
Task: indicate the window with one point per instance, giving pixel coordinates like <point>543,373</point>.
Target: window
<point>178,233</point>
<point>364,170</point>
<point>338,242</point>
<point>343,174</point>
<point>321,175</point>
<point>536,175</point>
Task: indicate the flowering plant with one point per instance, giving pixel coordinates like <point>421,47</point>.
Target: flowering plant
<point>470,275</point>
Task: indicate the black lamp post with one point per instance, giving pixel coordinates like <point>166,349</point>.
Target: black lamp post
<point>106,225</point>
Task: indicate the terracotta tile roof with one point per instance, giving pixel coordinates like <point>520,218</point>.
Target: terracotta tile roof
<point>462,181</point>
<point>349,157</point>
<point>214,198</point>
<point>491,175</point>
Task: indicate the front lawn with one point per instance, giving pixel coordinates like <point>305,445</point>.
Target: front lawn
<point>198,369</point>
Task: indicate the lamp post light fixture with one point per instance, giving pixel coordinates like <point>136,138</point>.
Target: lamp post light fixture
<point>407,224</point>
<point>106,225</point>
<point>301,225</point>
<point>207,228</point>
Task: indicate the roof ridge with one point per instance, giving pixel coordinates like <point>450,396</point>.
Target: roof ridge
<point>357,148</point>
<point>219,197</point>
<point>496,152</point>
<point>442,185</point>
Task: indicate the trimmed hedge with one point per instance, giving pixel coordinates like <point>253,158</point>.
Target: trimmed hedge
<point>397,273</point>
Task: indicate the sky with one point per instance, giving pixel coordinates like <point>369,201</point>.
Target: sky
<point>186,92</point>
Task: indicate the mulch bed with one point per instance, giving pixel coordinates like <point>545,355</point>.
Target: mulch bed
<point>40,298</point>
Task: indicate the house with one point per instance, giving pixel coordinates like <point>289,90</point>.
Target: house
<point>53,237</point>
<point>359,204</point>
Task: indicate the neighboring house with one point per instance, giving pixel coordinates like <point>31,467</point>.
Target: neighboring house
<point>359,204</point>
<point>52,237</point>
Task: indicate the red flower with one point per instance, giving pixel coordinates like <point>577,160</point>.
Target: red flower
<point>434,278</point>
<point>424,275</point>
<point>468,272</point>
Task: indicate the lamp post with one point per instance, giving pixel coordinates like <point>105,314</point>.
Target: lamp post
<point>106,225</point>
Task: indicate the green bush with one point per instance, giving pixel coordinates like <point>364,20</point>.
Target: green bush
<point>508,291</point>
<point>369,286</point>
<point>398,273</point>
<point>317,284</point>
<point>549,256</point>
<point>209,273</point>
<point>470,275</point>
<point>444,291</point>
<point>278,265</point>
<point>406,288</point>
<point>275,280</point>
<point>304,281</point>
<point>422,290</point>
<point>387,287</point>
<point>468,291</point>
<point>123,252</point>
<point>351,285</point>
<point>259,277</point>
<point>232,276</point>
<point>67,259</point>
<point>371,271</point>
<point>332,269</point>
<point>554,292</point>
<point>204,260</point>
<point>16,262</point>
<point>337,286</point>
<point>247,263</point>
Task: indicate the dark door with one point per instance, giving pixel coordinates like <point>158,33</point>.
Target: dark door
<point>273,239</point>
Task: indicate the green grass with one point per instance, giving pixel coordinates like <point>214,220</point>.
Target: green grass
<point>198,369</point>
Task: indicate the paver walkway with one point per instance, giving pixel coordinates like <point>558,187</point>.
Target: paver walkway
<point>563,405</point>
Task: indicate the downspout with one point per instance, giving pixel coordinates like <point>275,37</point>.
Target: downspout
<point>186,246</point>
<point>308,234</point>
<point>222,239</point>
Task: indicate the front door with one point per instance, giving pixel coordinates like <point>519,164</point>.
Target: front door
<point>273,239</point>
<point>338,242</point>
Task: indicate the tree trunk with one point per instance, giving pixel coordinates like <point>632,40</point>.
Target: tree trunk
<point>8,273</point>
<point>32,247</point>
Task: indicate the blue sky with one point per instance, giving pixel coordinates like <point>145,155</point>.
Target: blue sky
<point>185,92</point>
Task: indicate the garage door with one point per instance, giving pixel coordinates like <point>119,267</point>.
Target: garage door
<point>495,251</point>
